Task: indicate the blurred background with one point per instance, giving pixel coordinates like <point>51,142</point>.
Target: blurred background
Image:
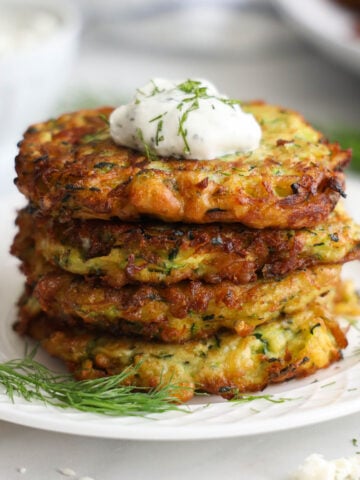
<point>61,56</point>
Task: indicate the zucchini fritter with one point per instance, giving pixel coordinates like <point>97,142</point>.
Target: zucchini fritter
<point>70,168</point>
<point>225,364</point>
<point>122,253</point>
<point>353,4</point>
<point>184,311</point>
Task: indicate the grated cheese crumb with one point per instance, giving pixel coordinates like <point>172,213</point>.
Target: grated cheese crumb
<point>316,467</point>
<point>67,472</point>
<point>21,470</point>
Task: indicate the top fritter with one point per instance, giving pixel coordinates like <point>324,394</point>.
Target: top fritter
<point>71,167</point>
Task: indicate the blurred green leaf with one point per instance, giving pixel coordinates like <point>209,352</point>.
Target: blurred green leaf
<point>87,98</point>
<point>348,138</point>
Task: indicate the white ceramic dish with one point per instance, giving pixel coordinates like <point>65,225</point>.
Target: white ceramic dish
<point>241,29</point>
<point>32,78</point>
<point>328,26</point>
<point>328,394</point>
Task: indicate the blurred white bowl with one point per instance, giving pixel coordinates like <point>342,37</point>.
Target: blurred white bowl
<point>36,62</point>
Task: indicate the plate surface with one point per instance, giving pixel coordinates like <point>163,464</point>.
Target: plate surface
<point>330,27</point>
<point>328,394</point>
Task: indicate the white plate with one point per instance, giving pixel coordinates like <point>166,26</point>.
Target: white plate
<point>328,394</point>
<point>330,27</point>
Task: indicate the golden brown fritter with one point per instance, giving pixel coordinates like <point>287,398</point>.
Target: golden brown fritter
<point>121,253</point>
<point>354,4</point>
<point>184,311</point>
<point>225,364</point>
<point>70,167</point>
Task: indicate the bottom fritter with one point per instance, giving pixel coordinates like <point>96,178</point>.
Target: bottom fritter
<point>225,364</point>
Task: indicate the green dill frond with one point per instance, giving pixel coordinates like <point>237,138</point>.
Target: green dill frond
<point>32,381</point>
<point>196,92</point>
<point>104,118</point>
<point>245,398</point>
<point>150,154</point>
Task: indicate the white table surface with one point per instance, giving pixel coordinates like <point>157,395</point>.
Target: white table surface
<point>292,74</point>
<point>260,457</point>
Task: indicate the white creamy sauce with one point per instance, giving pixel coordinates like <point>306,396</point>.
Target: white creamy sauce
<point>186,119</point>
<point>316,467</point>
<point>22,29</point>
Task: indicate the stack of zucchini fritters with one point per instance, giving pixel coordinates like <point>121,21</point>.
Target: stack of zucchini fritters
<point>219,276</point>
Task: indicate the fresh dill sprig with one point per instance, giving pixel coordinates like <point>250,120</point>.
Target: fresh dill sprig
<point>30,380</point>
<point>328,384</point>
<point>158,136</point>
<point>245,398</point>
<point>155,89</point>
<point>193,91</point>
<point>98,136</point>
<point>111,396</point>
<point>193,88</point>
<point>150,154</point>
<point>104,118</point>
<point>182,130</point>
<point>196,91</point>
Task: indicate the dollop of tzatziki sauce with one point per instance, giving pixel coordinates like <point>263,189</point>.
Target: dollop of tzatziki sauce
<point>185,119</point>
